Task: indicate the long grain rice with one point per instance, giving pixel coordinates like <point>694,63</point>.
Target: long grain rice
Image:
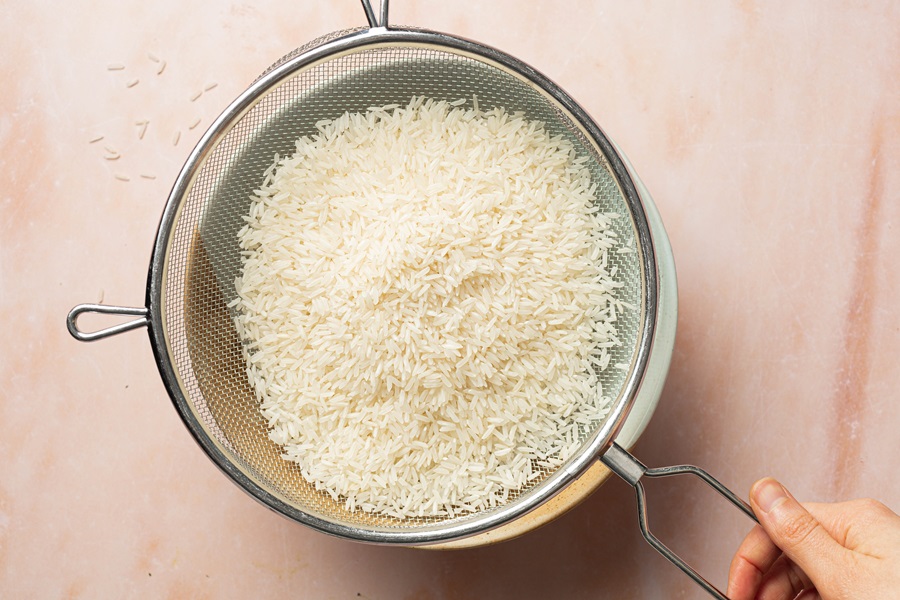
<point>425,305</point>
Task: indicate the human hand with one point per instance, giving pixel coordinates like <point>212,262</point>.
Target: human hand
<point>843,551</point>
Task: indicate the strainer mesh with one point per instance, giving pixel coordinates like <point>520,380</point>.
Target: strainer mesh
<point>203,258</point>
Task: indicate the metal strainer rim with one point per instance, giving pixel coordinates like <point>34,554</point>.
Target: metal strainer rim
<point>599,441</point>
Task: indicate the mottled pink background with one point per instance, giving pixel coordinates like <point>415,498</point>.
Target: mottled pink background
<point>768,133</point>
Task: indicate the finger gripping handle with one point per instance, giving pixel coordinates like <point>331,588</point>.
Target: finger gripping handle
<point>90,336</point>
<point>632,470</point>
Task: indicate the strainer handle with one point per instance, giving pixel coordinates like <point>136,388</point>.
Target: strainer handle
<point>90,336</point>
<point>626,466</point>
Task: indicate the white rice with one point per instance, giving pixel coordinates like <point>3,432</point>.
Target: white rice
<point>424,304</point>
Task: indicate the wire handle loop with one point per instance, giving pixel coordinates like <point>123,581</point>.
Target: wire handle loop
<point>83,336</point>
<point>370,14</point>
<point>626,466</point>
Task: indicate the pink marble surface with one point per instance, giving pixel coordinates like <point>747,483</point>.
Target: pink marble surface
<point>769,134</point>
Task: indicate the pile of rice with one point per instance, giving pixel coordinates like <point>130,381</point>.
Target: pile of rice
<point>425,304</point>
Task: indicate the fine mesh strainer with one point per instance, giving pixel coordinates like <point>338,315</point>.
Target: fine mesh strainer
<point>196,259</point>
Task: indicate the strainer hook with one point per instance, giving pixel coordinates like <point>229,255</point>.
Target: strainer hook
<point>90,336</point>
<point>370,14</point>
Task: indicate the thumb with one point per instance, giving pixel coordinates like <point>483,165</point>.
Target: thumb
<point>799,535</point>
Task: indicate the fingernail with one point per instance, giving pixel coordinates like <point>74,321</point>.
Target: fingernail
<point>768,494</point>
